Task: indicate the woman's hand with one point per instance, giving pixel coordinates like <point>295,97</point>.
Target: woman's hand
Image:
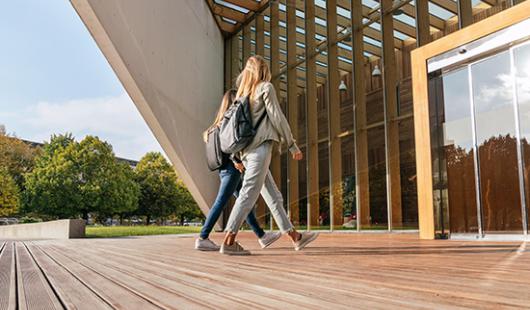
<point>298,155</point>
<point>240,167</point>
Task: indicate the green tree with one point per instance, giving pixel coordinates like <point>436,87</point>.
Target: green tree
<point>17,156</point>
<point>159,192</point>
<point>9,194</point>
<point>187,208</point>
<point>74,179</point>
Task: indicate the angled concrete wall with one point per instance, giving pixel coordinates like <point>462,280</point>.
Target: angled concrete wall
<point>168,54</point>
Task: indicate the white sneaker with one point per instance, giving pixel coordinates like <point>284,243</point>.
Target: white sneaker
<point>206,245</point>
<point>306,238</point>
<point>234,249</point>
<point>269,238</point>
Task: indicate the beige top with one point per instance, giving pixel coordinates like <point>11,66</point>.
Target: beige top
<point>274,126</point>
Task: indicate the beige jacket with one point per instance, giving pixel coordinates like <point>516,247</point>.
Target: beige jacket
<point>274,126</point>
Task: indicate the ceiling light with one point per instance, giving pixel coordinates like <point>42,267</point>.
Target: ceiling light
<point>376,71</point>
<point>342,86</point>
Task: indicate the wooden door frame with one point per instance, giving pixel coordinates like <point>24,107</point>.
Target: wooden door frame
<point>419,58</point>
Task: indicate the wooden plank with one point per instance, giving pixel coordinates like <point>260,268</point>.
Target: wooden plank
<point>423,33</point>
<point>391,127</point>
<point>181,281</point>
<point>465,13</point>
<point>359,102</point>
<point>261,208</point>
<point>292,113</point>
<point>335,155</point>
<point>311,118</point>
<point>419,59</point>
<point>391,271</point>
<point>73,293</point>
<point>249,5</point>
<point>34,292</point>
<point>115,294</point>
<point>140,284</point>
<point>227,65</point>
<point>8,289</point>
<point>234,60</point>
<point>260,35</point>
<point>275,70</point>
<point>229,13</point>
<point>246,43</point>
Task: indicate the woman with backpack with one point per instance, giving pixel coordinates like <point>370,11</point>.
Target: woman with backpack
<point>271,127</point>
<point>230,169</point>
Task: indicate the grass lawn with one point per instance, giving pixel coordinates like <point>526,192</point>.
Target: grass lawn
<point>121,231</point>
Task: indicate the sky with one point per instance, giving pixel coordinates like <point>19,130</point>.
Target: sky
<point>54,79</point>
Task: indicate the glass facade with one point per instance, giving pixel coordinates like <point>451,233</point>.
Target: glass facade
<point>480,116</point>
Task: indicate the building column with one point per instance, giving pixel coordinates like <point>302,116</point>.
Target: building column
<point>391,114</point>
<point>234,59</point>
<point>275,70</point>
<point>423,31</point>
<point>313,203</point>
<point>261,208</point>
<point>359,109</point>
<point>292,113</point>
<point>246,43</point>
<point>465,13</point>
<point>335,155</point>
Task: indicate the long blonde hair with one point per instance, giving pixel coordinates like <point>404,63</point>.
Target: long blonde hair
<point>228,98</point>
<point>256,71</point>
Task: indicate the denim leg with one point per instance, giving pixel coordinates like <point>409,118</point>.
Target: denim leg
<point>230,179</point>
<point>251,218</point>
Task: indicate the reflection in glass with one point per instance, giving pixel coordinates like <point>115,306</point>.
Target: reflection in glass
<point>377,179</point>
<point>407,160</point>
<point>522,65</point>
<point>497,146</point>
<point>349,215</point>
<point>454,160</point>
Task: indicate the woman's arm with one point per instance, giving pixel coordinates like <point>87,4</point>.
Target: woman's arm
<point>277,118</point>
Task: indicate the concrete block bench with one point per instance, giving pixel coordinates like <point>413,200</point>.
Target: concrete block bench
<point>61,229</point>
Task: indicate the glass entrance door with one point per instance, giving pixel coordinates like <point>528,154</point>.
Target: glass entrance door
<point>480,133</point>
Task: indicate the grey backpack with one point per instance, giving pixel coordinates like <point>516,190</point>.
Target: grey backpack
<point>236,129</point>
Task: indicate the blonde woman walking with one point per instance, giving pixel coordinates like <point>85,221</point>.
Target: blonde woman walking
<point>256,158</point>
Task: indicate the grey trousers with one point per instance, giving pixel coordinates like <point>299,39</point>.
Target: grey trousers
<point>258,179</point>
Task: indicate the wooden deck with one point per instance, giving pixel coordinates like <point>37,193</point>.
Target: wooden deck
<point>339,271</point>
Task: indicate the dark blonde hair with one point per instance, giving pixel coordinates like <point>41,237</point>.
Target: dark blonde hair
<point>228,98</point>
<point>256,71</point>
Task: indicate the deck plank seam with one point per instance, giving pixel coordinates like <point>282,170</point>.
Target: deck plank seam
<point>88,286</point>
<point>184,282</point>
<point>54,290</point>
<point>147,281</point>
<point>135,292</point>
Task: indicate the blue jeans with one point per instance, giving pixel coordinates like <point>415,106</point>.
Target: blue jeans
<point>230,185</point>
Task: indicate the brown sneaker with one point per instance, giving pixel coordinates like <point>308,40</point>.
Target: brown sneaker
<point>234,249</point>
<point>306,238</point>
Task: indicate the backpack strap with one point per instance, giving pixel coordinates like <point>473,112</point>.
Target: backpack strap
<point>260,120</point>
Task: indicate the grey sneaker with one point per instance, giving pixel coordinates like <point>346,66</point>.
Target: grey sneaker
<point>307,237</point>
<point>269,238</point>
<point>234,249</point>
<point>206,245</point>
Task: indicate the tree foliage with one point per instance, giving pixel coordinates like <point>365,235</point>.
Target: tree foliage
<point>9,194</point>
<point>159,194</point>
<point>17,157</point>
<point>187,207</point>
<point>72,179</point>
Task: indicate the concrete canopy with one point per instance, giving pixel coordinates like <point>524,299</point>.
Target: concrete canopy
<point>169,57</point>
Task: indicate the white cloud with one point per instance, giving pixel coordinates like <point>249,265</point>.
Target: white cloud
<point>114,119</point>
